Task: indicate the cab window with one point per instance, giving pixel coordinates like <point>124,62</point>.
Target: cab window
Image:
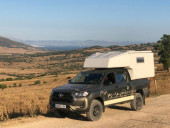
<point>109,79</point>
<point>122,76</point>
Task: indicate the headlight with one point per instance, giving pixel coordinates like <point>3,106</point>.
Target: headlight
<point>81,94</point>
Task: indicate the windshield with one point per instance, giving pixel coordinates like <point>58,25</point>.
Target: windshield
<point>87,78</point>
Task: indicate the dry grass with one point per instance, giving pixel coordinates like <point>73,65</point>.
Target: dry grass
<point>28,100</point>
<point>163,83</point>
<point>33,100</point>
<point>7,50</point>
<point>21,71</point>
<point>5,76</point>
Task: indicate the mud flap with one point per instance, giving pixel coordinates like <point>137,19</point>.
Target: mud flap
<point>144,99</point>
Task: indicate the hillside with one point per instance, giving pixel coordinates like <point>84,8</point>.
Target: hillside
<point>8,46</point>
<point>29,78</point>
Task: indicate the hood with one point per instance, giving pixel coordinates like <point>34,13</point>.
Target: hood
<point>76,87</point>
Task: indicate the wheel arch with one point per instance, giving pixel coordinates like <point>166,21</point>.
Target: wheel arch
<point>102,102</point>
<point>142,93</point>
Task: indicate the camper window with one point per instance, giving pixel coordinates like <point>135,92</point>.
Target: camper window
<point>140,59</point>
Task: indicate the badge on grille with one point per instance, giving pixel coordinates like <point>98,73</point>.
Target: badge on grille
<point>60,95</point>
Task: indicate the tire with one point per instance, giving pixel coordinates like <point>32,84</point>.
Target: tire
<point>95,111</point>
<point>137,103</point>
<point>60,113</point>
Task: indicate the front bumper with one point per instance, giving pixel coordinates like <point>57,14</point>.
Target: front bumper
<point>78,104</point>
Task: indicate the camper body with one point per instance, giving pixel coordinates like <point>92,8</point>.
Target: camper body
<point>115,78</point>
<point>140,64</point>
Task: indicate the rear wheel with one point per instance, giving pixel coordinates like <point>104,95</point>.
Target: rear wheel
<point>137,103</point>
<point>95,111</point>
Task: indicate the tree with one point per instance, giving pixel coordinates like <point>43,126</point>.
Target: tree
<point>164,51</point>
<point>3,86</point>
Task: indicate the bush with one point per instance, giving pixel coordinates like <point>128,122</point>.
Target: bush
<point>44,74</point>
<point>9,79</point>
<point>20,85</point>
<point>54,73</point>
<point>15,85</point>
<point>45,82</point>
<point>68,78</point>
<point>37,82</point>
<point>31,76</point>
<point>3,86</point>
<point>2,79</point>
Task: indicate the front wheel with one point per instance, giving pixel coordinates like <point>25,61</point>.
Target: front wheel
<point>137,103</point>
<point>95,111</point>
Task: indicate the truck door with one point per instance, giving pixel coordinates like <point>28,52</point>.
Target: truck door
<point>123,84</point>
<point>109,88</point>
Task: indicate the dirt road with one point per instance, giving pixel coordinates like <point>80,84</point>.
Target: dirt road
<point>155,114</point>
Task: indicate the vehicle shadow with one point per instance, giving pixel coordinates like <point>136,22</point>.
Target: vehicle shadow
<point>77,116</point>
<point>70,115</point>
<point>120,108</point>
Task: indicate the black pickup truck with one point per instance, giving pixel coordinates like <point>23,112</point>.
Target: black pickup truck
<point>91,91</point>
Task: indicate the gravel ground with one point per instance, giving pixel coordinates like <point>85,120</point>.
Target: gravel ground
<point>155,114</point>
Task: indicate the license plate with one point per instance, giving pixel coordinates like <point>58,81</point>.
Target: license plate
<point>60,106</point>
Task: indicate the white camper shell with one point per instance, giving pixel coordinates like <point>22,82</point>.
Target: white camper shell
<point>140,64</point>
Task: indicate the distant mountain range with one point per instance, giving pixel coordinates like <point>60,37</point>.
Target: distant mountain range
<point>5,42</point>
<point>8,46</point>
<point>60,44</point>
<point>86,43</point>
<point>70,45</point>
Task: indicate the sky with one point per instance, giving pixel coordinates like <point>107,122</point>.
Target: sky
<point>110,20</point>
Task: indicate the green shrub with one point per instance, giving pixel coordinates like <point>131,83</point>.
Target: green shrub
<point>2,79</point>
<point>30,76</point>
<point>44,74</point>
<point>15,85</point>
<point>45,82</point>
<point>9,79</point>
<point>20,85</point>
<point>55,79</point>
<point>3,86</point>
<point>37,82</point>
<point>54,73</point>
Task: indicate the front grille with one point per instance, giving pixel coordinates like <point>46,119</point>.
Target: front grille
<point>62,97</point>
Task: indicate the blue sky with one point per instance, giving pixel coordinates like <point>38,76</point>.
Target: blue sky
<point>111,20</point>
